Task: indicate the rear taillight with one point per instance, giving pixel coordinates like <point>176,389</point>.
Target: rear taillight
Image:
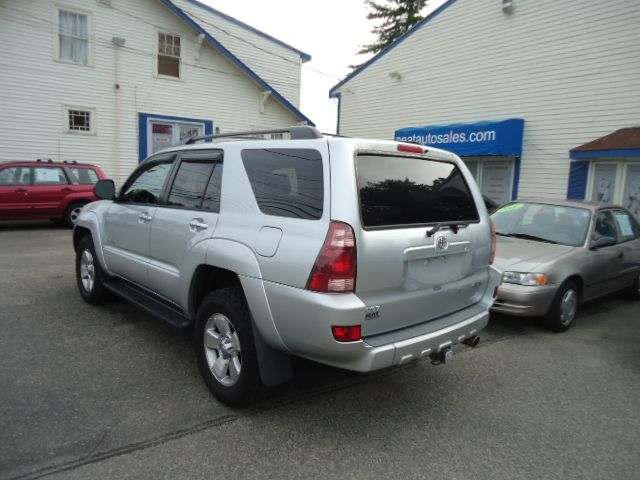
<point>350,333</point>
<point>492,257</point>
<point>403,147</point>
<point>335,267</point>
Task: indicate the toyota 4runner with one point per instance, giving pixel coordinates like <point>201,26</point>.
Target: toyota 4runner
<point>361,254</point>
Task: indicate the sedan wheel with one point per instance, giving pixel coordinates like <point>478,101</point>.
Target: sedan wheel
<point>563,309</point>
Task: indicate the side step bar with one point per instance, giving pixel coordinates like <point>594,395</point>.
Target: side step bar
<point>148,302</point>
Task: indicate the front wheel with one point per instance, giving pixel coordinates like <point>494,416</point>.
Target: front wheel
<point>563,309</point>
<point>224,347</point>
<point>634,289</point>
<point>89,274</point>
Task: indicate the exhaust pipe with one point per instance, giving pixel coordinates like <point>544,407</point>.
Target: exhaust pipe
<point>472,341</point>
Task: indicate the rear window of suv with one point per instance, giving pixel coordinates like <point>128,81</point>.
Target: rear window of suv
<point>286,182</point>
<point>398,191</point>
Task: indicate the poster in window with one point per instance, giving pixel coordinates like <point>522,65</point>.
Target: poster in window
<point>631,196</point>
<point>604,183</point>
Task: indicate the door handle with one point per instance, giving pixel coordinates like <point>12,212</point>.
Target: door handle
<point>67,189</point>
<point>621,254</point>
<point>197,224</point>
<point>144,218</point>
<point>21,190</point>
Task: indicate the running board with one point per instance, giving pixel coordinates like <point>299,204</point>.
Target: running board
<point>148,302</point>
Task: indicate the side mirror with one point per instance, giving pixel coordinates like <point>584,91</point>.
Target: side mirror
<point>105,189</point>
<point>603,242</point>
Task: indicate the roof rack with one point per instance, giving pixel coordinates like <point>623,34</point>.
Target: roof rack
<point>301,132</point>
<point>48,160</point>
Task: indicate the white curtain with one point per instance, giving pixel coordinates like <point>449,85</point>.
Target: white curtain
<point>74,37</point>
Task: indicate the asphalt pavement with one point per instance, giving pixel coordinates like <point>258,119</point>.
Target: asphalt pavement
<point>110,392</point>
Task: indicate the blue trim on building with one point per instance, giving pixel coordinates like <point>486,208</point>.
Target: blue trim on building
<point>605,154</point>
<point>577,186</point>
<point>143,147</point>
<point>381,54</point>
<point>339,97</point>
<point>304,56</point>
<point>236,61</point>
<point>516,178</point>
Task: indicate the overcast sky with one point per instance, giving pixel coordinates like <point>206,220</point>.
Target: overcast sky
<point>331,31</point>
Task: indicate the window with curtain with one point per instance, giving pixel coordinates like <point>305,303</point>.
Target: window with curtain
<point>168,55</point>
<point>74,37</point>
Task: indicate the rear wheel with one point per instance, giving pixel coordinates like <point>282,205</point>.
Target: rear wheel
<point>89,274</point>
<point>72,212</point>
<point>224,347</point>
<point>563,309</point>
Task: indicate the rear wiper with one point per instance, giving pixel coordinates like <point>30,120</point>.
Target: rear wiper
<point>454,228</point>
<point>530,237</point>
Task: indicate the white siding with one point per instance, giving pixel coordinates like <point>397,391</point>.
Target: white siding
<point>277,65</point>
<point>569,68</point>
<point>34,88</point>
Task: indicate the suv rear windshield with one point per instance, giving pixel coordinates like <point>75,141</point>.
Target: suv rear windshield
<point>398,191</point>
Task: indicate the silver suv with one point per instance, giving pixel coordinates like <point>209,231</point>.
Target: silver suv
<point>361,254</point>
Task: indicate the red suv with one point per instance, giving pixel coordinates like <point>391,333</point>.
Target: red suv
<point>46,190</point>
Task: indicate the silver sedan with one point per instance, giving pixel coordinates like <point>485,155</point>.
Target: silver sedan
<point>556,255</point>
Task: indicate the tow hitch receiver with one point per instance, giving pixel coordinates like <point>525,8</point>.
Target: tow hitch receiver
<point>444,356</point>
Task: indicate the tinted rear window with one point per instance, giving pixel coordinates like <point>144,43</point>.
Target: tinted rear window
<point>404,191</point>
<point>286,182</point>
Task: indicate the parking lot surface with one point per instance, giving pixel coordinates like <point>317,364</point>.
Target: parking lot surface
<point>109,392</point>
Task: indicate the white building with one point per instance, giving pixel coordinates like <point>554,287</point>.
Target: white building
<point>568,72</point>
<point>111,81</point>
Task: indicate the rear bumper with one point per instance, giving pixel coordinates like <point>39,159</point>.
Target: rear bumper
<point>524,301</point>
<point>304,319</point>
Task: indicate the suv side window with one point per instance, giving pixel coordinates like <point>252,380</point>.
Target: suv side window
<point>211,201</point>
<point>627,225</point>
<point>605,226</point>
<point>82,176</point>
<point>147,183</point>
<point>192,179</point>
<point>15,176</point>
<point>286,182</point>
<point>49,176</point>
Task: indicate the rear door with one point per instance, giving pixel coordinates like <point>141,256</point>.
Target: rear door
<point>15,183</point>
<point>187,218</point>
<point>603,264</point>
<point>410,263</point>
<point>629,248</point>
<point>127,224</point>
<point>50,186</point>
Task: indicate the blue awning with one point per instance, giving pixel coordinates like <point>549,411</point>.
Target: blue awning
<point>467,139</point>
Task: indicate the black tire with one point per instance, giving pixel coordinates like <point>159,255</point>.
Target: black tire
<point>634,290</point>
<point>563,309</point>
<point>227,305</point>
<point>71,213</point>
<point>96,293</point>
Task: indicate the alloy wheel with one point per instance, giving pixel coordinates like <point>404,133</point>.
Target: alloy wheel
<point>222,349</point>
<point>87,271</point>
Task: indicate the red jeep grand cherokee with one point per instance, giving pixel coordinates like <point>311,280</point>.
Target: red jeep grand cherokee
<point>46,190</point>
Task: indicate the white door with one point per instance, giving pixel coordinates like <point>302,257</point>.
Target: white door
<point>497,180</point>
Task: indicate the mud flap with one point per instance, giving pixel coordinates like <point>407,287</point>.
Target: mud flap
<point>275,366</point>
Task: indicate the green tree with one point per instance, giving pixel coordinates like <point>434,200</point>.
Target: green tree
<point>397,17</point>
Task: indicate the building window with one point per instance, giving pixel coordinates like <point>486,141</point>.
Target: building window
<point>79,120</point>
<point>168,55</point>
<point>73,33</point>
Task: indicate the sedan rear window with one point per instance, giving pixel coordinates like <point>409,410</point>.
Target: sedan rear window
<point>398,191</point>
